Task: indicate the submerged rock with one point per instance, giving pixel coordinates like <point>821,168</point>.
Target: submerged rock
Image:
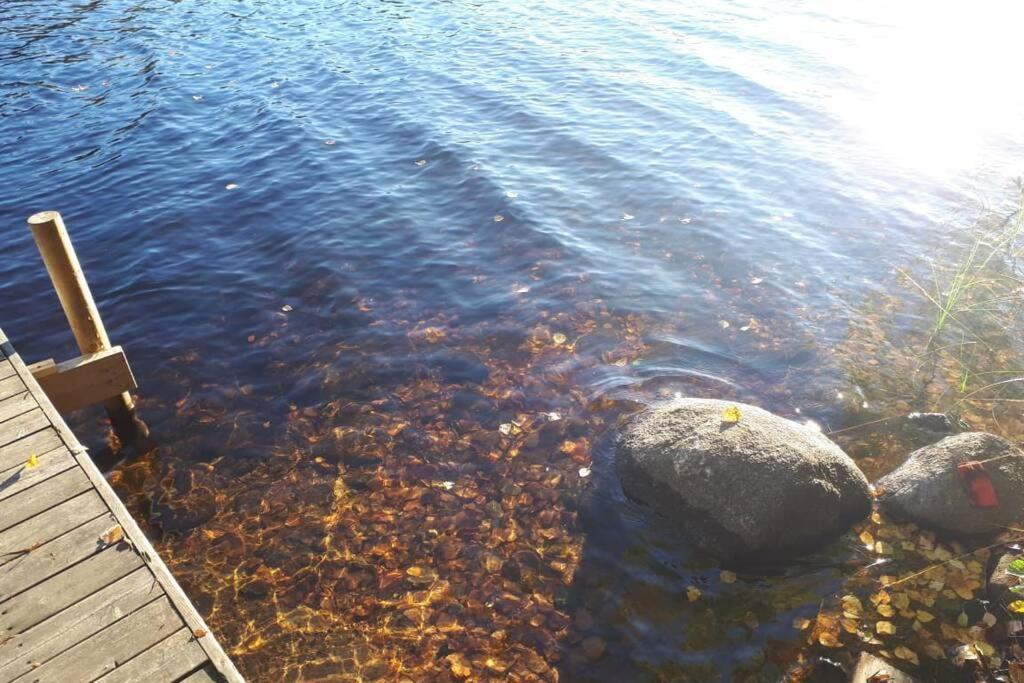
<point>929,490</point>
<point>871,669</point>
<point>1001,582</point>
<point>761,486</point>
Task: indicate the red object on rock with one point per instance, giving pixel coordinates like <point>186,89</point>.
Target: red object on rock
<point>978,484</point>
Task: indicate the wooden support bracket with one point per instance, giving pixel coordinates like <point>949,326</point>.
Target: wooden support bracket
<point>85,380</point>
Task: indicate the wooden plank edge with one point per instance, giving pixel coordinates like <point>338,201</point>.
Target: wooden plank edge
<point>131,528</point>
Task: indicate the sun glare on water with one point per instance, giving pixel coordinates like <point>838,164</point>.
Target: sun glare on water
<point>942,86</point>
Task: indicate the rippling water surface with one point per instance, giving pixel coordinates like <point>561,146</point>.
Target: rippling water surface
<point>388,272</point>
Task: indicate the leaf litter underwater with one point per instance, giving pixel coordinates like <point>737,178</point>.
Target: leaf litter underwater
<point>461,520</point>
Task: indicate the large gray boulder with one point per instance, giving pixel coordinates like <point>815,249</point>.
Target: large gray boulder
<point>927,490</point>
<point>760,487</point>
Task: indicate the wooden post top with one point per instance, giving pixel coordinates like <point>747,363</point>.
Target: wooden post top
<point>44,217</point>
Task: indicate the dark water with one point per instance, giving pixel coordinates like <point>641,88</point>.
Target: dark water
<point>388,272</point>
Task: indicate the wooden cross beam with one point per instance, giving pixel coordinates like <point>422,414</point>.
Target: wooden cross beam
<point>85,380</point>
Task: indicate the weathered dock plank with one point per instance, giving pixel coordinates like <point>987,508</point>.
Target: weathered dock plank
<point>65,589</point>
<point>173,656</point>
<point>6,368</point>
<point>15,405</point>
<point>205,675</point>
<point>103,651</point>
<point>49,638</point>
<point>41,497</point>
<point>16,480</point>
<point>46,526</point>
<point>12,430</point>
<point>39,441</point>
<point>83,594</point>
<point>9,386</point>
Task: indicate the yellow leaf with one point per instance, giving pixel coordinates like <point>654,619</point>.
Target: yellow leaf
<point>558,338</point>
<point>906,653</point>
<point>852,607</point>
<point>801,624</point>
<point>964,591</point>
<point>32,462</point>
<point>731,414</point>
<point>1017,606</point>
<point>459,666</point>
<point>886,610</point>
<point>829,639</point>
<point>885,627</point>
<point>728,576</point>
<point>693,594</point>
<point>112,535</point>
<point>901,600</point>
<point>924,617</point>
<point>867,539</point>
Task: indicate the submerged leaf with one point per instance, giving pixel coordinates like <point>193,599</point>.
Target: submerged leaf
<point>906,653</point>
<point>829,639</point>
<point>1017,606</point>
<point>1016,567</point>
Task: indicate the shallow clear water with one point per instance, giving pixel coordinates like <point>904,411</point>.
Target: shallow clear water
<point>479,214</point>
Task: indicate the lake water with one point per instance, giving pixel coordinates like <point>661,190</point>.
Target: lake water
<point>388,273</point>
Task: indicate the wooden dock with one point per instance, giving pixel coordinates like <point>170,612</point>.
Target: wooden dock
<point>83,594</point>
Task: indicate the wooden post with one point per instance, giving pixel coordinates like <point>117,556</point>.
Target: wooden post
<point>73,291</point>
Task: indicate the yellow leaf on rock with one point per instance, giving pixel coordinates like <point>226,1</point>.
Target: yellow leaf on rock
<point>924,617</point>
<point>885,628</point>
<point>731,414</point>
<point>886,610</point>
<point>867,539</point>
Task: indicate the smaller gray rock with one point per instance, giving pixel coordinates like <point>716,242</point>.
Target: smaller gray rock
<point>927,490</point>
